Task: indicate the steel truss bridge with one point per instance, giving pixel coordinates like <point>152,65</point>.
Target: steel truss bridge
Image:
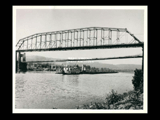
<point>82,38</point>
<point>79,39</point>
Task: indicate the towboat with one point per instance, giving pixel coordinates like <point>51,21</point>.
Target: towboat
<point>73,70</point>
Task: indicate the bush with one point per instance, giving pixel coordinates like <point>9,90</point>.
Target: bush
<point>137,80</point>
<point>113,97</point>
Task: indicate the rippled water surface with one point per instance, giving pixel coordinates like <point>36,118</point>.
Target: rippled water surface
<point>47,90</point>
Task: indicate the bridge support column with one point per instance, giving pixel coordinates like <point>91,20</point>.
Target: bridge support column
<point>19,65</point>
<point>16,63</point>
<point>19,61</point>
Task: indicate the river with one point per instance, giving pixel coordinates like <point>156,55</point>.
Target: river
<point>47,90</point>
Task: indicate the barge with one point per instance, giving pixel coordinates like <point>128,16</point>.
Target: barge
<point>74,70</point>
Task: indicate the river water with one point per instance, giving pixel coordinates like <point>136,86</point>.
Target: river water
<point>47,90</point>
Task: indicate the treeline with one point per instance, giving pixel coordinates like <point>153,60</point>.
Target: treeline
<point>41,66</point>
<point>53,67</point>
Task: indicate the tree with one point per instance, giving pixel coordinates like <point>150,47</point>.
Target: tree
<point>137,80</point>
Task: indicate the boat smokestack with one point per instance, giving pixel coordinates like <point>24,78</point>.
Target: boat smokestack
<point>82,67</point>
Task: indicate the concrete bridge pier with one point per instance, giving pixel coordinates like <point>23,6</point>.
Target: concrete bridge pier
<point>19,59</point>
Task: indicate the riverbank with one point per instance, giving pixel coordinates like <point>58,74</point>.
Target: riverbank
<point>130,100</point>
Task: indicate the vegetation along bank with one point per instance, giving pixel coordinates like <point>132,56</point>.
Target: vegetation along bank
<point>128,100</point>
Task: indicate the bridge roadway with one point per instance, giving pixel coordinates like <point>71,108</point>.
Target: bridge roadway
<point>86,47</point>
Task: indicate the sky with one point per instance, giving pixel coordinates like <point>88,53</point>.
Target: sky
<point>31,21</point>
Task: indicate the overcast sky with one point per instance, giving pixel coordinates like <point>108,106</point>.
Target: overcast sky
<point>31,21</point>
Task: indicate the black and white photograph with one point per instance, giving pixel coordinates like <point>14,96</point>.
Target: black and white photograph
<point>79,59</point>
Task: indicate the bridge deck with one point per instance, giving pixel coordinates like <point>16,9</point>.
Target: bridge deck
<point>85,47</point>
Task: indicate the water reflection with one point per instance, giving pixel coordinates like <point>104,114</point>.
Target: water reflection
<point>71,79</point>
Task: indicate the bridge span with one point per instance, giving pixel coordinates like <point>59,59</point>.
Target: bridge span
<point>85,47</point>
<point>77,39</point>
